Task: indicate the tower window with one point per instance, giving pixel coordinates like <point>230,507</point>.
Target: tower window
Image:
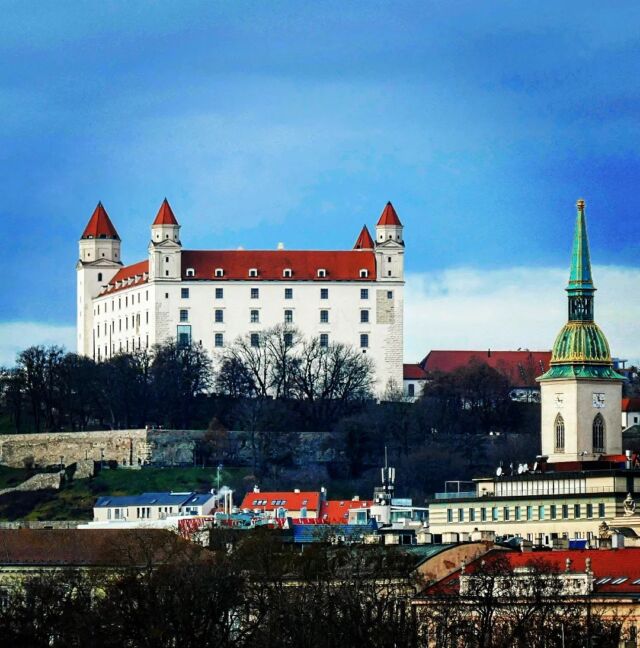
<point>388,273</point>
<point>166,259</point>
<point>559,434</point>
<point>99,276</point>
<point>388,259</point>
<point>598,433</point>
<point>389,294</point>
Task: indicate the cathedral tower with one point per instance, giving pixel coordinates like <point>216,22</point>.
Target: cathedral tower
<point>581,392</point>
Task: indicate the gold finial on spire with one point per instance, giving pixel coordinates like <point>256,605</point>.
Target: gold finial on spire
<point>580,204</point>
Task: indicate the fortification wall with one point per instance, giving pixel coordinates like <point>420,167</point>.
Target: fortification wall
<point>126,447</point>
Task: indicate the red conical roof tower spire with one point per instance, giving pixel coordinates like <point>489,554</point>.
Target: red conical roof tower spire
<point>165,215</point>
<point>364,242</point>
<point>389,216</point>
<point>100,225</point>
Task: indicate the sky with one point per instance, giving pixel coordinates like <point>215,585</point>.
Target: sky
<point>482,122</point>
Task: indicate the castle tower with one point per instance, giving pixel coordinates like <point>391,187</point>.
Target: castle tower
<point>581,393</point>
<point>99,252</point>
<point>165,247</point>
<point>389,246</point>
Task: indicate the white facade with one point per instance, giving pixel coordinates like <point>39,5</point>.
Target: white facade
<point>353,297</point>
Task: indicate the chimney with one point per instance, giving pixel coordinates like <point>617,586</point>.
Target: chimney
<point>280,245</point>
<point>296,490</point>
<point>355,498</point>
<point>488,353</point>
<point>256,489</point>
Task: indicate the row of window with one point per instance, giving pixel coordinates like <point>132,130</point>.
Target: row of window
<point>518,513</point>
<point>126,302</point>
<point>136,343</point>
<point>135,324</point>
<point>288,293</point>
<point>254,317</point>
<point>287,273</point>
<point>597,434</point>
<point>218,340</point>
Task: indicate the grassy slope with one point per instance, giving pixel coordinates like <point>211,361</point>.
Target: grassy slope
<point>75,501</point>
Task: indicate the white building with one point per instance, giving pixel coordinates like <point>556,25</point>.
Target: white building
<point>213,296</point>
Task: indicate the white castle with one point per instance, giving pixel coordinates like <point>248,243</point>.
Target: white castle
<point>213,296</point>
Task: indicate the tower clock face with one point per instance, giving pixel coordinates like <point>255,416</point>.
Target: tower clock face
<point>598,400</point>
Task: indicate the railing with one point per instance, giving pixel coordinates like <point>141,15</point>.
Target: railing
<point>456,495</point>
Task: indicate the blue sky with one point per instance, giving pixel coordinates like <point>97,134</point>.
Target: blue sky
<point>296,122</point>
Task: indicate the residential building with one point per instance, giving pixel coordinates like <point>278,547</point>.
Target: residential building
<point>630,412</point>
<point>414,378</point>
<point>214,296</point>
<point>283,504</point>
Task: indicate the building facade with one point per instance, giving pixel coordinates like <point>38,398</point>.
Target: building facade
<point>351,296</point>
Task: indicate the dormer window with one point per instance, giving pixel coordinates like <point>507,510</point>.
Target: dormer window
<point>287,272</point>
<point>191,272</point>
<point>219,272</point>
<point>322,273</point>
<point>364,273</point>
<point>253,272</point>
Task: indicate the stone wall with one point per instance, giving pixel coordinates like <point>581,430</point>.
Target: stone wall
<point>129,448</point>
<point>42,481</point>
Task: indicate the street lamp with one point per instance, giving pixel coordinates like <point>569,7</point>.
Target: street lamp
<point>218,469</point>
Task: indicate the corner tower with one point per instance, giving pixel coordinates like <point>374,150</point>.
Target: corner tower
<point>581,393</point>
<point>165,248</point>
<point>99,259</point>
<point>389,246</point>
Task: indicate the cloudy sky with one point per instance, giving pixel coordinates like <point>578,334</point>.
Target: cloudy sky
<point>296,122</point>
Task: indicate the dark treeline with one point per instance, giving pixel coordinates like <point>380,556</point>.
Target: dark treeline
<point>463,424</point>
<point>261,594</point>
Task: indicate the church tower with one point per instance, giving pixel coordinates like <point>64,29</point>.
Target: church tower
<point>165,248</point>
<point>581,393</point>
<point>98,263</point>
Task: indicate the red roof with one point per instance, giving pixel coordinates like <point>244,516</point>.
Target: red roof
<point>612,564</point>
<point>413,372</point>
<point>273,500</point>
<point>165,215</point>
<point>100,225</point>
<point>631,404</point>
<point>271,264</point>
<point>337,511</point>
<point>364,242</point>
<point>389,216</point>
<point>138,273</point>
<point>520,367</point>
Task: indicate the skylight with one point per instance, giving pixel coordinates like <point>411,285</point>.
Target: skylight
<point>604,580</point>
<point>619,581</point>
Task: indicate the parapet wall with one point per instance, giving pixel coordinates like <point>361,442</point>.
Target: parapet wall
<point>126,447</point>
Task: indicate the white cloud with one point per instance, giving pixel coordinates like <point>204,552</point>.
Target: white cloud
<point>15,336</point>
<point>467,308</point>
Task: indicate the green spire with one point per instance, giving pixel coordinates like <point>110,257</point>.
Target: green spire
<point>580,276</point>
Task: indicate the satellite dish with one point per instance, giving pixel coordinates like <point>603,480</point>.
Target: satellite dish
<point>520,469</point>
<point>499,471</point>
<point>526,467</point>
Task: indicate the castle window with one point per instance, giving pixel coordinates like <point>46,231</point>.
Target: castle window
<point>559,434</point>
<point>288,293</point>
<point>364,316</point>
<point>184,315</point>
<point>324,339</point>
<point>364,293</point>
<point>191,272</point>
<point>364,341</point>
<point>288,339</point>
<point>598,433</point>
<point>166,259</point>
<point>322,273</point>
<point>184,292</point>
<point>255,339</point>
<point>219,293</point>
<point>388,259</point>
<point>255,293</point>
<point>99,276</point>
<point>288,317</point>
<point>388,273</point>
<point>324,293</point>
<point>219,316</point>
<point>253,272</point>
<point>219,340</point>
<point>219,272</point>
<point>255,317</point>
<point>364,273</point>
<point>389,294</point>
<point>287,272</point>
<point>324,316</point>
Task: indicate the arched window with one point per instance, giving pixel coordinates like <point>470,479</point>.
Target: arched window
<point>559,434</point>
<point>598,433</point>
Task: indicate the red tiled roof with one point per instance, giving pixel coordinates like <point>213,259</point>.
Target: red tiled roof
<point>270,264</point>
<point>165,215</point>
<point>520,367</point>
<point>138,272</point>
<point>389,216</point>
<point>273,500</point>
<point>337,511</point>
<point>413,372</point>
<point>364,242</point>
<point>100,225</point>
<point>631,404</point>
<point>605,563</point>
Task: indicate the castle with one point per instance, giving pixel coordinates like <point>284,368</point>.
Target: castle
<point>351,296</point>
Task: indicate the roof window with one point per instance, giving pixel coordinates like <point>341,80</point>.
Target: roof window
<point>253,272</point>
<point>219,272</point>
<point>191,272</point>
<point>322,273</point>
<point>364,273</point>
<point>287,272</point>
<point>604,580</point>
<point>619,581</point>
